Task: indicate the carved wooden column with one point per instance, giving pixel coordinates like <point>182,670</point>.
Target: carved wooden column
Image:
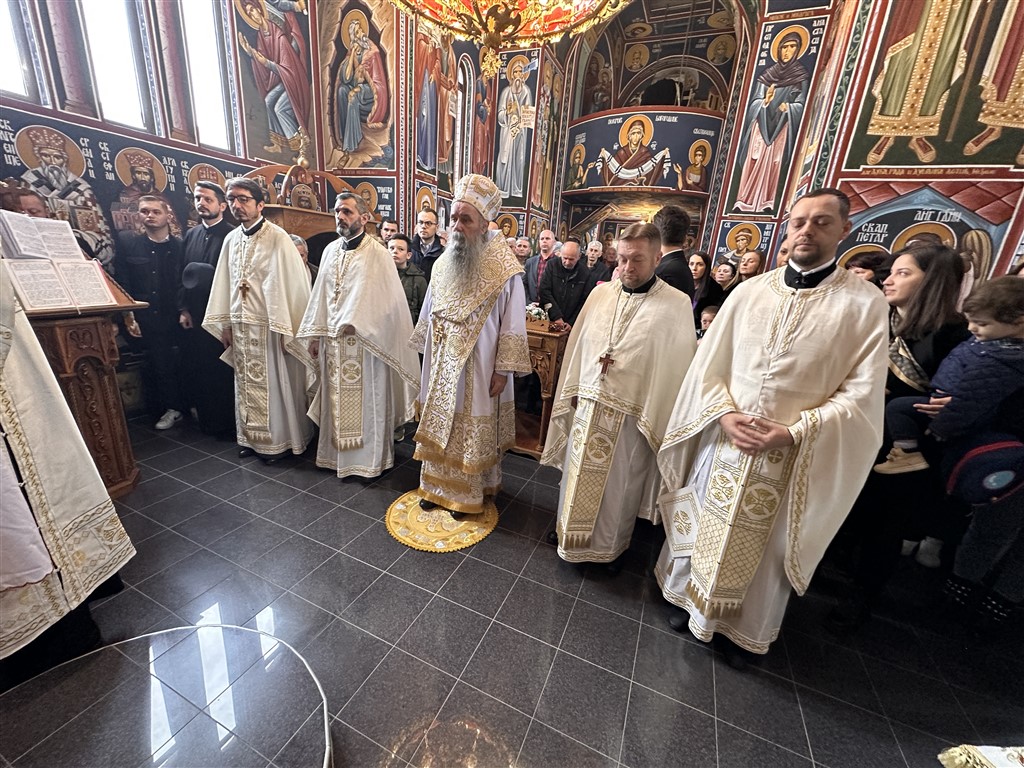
<point>83,354</point>
<point>546,350</point>
<point>75,90</point>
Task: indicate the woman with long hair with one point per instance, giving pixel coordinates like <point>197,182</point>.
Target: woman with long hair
<point>706,292</point>
<point>922,291</point>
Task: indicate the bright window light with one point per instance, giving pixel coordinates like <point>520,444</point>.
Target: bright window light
<point>203,43</point>
<point>12,63</point>
<point>113,61</point>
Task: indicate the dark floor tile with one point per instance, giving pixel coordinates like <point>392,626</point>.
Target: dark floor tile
<point>150,446</point>
<point>292,560</point>
<point>398,702</point>
<point>546,748</point>
<point>740,750</point>
<point>660,732</point>
<point>387,607</point>
<point>543,497</point>
<point>342,657</point>
<point>844,736</point>
<point>127,614</point>
<point>658,610</point>
<point>139,527</point>
<point>536,610</point>
<point>445,635</point>
<point>152,490</point>
<point>268,704</point>
<point>676,668</point>
<point>299,511</point>
<point>400,480</point>
<point>374,501</point>
<point>473,726</point>
<point>233,601</point>
<point>204,471</point>
<point>144,650</point>
<point>996,721</point>
<point>252,541</point>
<point>303,476</point>
<point>45,703</point>
<point>306,748</point>
<point>519,466</point>
<point>920,702</point>
<point>602,637</point>
<point>892,643</point>
<point>830,669</point>
<point>585,702</point>
<point>510,666</point>
<point>526,520</point>
<point>920,750</point>
<point>549,569</point>
<point>334,490</point>
<point>191,577</point>
<point>505,550</point>
<point>232,483</point>
<point>336,583</point>
<point>156,553</point>
<point>338,527</point>
<point>202,665</point>
<point>117,731</point>
<point>291,619</point>
<point>763,704</point>
<point>548,475</point>
<point>181,507</point>
<point>478,586</point>
<point>276,468</point>
<point>970,664</point>
<point>376,547</point>
<point>353,750</point>
<point>215,522</point>
<point>203,743</point>
<point>429,570</point>
<point>265,497</point>
<point>622,593</point>
<point>175,459</point>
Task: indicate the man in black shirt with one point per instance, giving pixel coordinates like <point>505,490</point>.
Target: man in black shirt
<point>565,286</point>
<point>674,224</point>
<point>426,245</point>
<point>211,387</point>
<point>149,267</point>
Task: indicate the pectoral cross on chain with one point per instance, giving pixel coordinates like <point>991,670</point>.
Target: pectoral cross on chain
<point>605,361</point>
<point>243,288</point>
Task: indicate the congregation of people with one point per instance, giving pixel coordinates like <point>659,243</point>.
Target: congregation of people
<point>766,419</point>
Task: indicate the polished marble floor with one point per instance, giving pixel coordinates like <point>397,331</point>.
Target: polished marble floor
<point>499,655</point>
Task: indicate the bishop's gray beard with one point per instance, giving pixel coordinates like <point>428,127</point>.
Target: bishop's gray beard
<point>57,175</point>
<point>465,252</point>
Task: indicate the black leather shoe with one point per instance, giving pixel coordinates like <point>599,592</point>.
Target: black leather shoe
<point>244,453</point>
<point>678,620</point>
<point>424,504</point>
<point>552,538</point>
<point>614,568</point>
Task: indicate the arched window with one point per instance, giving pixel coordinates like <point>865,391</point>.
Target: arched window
<point>464,119</point>
<point>113,38</point>
<point>18,54</point>
<point>204,44</point>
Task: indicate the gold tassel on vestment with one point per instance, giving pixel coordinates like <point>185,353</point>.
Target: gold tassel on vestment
<point>345,371</point>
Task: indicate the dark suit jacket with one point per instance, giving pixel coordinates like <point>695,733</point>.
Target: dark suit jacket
<point>674,269</point>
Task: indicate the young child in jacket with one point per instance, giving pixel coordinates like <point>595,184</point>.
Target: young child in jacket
<point>414,281</point>
<point>979,375</point>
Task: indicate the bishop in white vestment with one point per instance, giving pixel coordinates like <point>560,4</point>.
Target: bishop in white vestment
<point>259,294</point>
<point>358,326</point>
<point>623,365</point>
<point>472,334</point>
<point>774,430</point>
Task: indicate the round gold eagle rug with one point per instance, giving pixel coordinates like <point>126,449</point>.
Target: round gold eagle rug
<point>434,530</point>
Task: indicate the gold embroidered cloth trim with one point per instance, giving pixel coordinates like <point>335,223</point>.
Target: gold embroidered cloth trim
<point>435,530</point>
<point>250,348</point>
<point>345,371</point>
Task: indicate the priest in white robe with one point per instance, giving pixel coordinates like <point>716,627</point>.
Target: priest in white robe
<point>259,294</point>
<point>60,537</point>
<point>472,335</point>
<point>773,433</point>
<point>623,365</point>
<point>357,326</point>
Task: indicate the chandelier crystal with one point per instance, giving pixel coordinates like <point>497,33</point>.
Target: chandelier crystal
<point>497,24</point>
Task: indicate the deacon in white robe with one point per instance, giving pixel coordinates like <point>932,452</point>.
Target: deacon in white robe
<point>357,325</point>
<point>259,294</point>
<point>472,334</point>
<point>774,430</point>
<point>60,537</point>
<point>623,365</point>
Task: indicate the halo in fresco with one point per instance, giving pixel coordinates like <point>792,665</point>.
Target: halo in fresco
<point>648,129</point>
<point>799,31</point>
<point>925,227</point>
<point>750,229</point>
<point>204,172</point>
<point>132,156</point>
<point>23,145</point>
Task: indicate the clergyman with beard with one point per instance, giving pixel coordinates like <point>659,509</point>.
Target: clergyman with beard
<point>357,326</point>
<point>211,386</point>
<point>472,335</point>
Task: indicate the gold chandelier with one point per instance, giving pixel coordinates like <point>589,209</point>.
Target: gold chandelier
<point>496,24</point>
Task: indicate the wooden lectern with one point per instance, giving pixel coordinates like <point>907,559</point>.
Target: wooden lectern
<point>546,350</point>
